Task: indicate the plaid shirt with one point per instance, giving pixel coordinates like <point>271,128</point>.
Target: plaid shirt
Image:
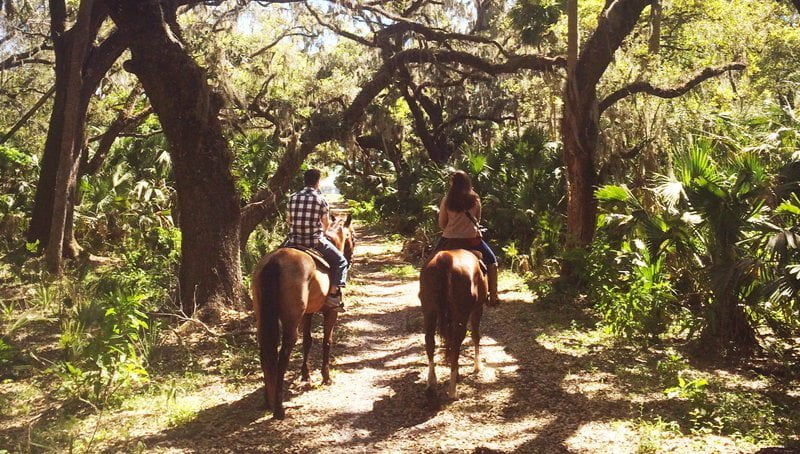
<point>306,209</point>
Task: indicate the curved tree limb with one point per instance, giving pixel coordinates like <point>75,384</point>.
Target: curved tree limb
<point>19,124</point>
<point>279,39</point>
<point>125,120</point>
<point>28,56</point>
<point>352,36</point>
<point>668,92</point>
<point>326,126</point>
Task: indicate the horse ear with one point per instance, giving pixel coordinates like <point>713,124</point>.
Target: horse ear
<point>348,219</point>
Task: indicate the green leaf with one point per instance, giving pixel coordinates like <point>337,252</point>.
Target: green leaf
<point>613,193</point>
<point>787,207</point>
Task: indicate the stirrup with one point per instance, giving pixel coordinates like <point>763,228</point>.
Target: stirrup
<point>334,302</point>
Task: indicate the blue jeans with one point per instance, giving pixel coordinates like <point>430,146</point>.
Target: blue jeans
<point>336,260</point>
<point>488,256</point>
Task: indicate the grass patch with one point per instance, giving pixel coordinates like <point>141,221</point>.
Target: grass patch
<point>405,271</point>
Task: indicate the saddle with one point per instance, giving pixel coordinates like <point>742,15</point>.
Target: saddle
<point>322,264</point>
<point>467,244</point>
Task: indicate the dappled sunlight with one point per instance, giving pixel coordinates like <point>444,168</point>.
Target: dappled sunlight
<point>364,326</point>
<point>625,437</point>
<point>592,384</point>
<point>549,383</point>
<point>605,437</point>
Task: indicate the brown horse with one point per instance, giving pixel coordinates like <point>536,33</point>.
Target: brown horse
<point>287,289</point>
<point>453,289</point>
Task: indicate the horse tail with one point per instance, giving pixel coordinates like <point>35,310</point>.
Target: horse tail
<point>445,301</point>
<point>269,283</point>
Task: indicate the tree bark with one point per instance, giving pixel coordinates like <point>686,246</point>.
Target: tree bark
<point>580,122</point>
<point>210,274</point>
<point>97,62</point>
<point>68,153</point>
<point>654,44</point>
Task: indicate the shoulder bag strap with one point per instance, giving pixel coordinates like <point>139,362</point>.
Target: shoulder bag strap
<point>472,218</point>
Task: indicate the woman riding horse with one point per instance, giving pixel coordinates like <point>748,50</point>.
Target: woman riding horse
<point>453,288</point>
<point>459,215</point>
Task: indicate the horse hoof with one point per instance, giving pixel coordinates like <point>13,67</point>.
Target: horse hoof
<point>305,377</point>
<point>279,413</point>
<point>327,381</point>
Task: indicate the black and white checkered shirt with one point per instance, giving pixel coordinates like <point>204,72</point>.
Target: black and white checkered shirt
<point>306,209</point>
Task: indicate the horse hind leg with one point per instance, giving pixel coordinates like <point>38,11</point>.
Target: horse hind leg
<point>475,326</point>
<point>458,332</point>
<point>430,350</point>
<point>327,339</point>
<point>307,341</point>
<point>287,343</point>
<point>269,365</point>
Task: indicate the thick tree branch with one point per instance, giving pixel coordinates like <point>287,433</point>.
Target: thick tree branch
<point>512,64</point>
<point>439,36</point>
<point>278,40</point>
<point>58,19</point>
<point>613,26</point>
<point>124,121</point>
<point>337,30</point>
<point>99,60</point>
<point>25,57</point>
<point>668,92</point>
<point>19,124</point>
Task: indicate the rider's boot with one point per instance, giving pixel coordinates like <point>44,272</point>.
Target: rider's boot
<point>334,301</point>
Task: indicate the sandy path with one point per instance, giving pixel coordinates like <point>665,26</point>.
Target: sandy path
<point>537,392</point>
<point>377,401</point>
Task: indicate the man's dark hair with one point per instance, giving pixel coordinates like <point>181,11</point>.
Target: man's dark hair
<point>311,177</point>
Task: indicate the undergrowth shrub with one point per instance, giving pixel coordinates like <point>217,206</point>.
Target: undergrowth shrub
<point>106,335</point>
<point>709,247</point>
<point>633,294</point>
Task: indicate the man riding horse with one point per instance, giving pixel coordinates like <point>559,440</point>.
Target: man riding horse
<point>308,215</point>
<point>290,285</point>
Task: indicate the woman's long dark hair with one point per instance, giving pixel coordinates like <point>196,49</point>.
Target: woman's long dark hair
<point>460,196</point>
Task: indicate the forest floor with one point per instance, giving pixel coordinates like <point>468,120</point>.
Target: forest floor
<point>552,382</point>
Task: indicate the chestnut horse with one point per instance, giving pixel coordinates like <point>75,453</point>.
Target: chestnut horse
<point>287,289</point>
<point>453,289</point>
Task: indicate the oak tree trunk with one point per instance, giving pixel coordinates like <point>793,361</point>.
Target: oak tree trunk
<point>579,132</point>
<point>42,215</point>
<point>97,60</point>
<point>74,117</point>
<point>187,108</point>
<point>580,124</point>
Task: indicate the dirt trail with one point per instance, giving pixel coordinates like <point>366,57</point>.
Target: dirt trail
<point>534,395</point>
<point>377,402</point>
